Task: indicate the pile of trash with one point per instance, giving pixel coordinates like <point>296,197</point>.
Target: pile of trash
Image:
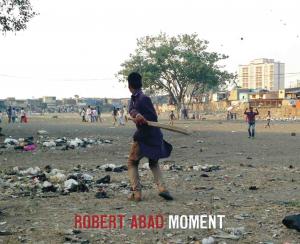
<point>68,143</point>
<point>22,144</point>
<point>28,144</point>
<point>33,181</point>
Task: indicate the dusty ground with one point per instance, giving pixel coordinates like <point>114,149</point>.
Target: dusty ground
<point>226,191</point>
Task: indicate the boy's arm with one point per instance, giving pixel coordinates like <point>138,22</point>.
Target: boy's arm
<point>257,113</point>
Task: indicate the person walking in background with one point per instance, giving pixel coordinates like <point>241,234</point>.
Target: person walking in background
<point>89,114</point>
<point>94,115</point>
<point>268,120</point>
<point>13,115</point>
<point>125,114</point>
<point>115,115</point>
<point>23,116</point>
<point>121,116</point>
<point>171,118</point>
<point>99,115</point>
<point>251,121</point>
<point>9,112</point>
<point>83,115</point>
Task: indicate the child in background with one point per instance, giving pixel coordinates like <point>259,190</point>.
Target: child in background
<point>23,116</point>
<point>268,120</point>
<point>172,118</point>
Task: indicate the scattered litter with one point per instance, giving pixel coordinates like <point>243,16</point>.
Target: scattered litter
<point>253,188</point>
<point>101,194</point>
<point>42,132</point>
<point>30,171</point>
<point>209,240</point>
<point>292,222</point>
<point>104,180</point>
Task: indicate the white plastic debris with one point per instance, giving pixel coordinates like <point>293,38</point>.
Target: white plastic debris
<point>75,142</point>
<point>209,240</point>
<point>47,184</point>
<point>197,167</point>
<point>49,144</point>
<point>11,141</point>
<point>31,171</point>
<point>145,166</point>
<point>105,166</point>
<point>42,132</point>
<point>57,178</point>
<point>69,184</point>
<point>87,177</point>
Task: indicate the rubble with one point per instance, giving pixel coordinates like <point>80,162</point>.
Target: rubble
<point>113,168</point>
<point>292,222</point>
<point>22,144</point>
<point>30,171</point>
<point>101,194</point>
<point>28,144</point>
<point>104,180</point>
<point>206,168</point>
<point>209,240</point>
<point>42,132</point>
<point>253,188</point>
<point>231,233</point>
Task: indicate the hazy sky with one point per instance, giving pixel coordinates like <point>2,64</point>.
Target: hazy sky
<point>77,46</point>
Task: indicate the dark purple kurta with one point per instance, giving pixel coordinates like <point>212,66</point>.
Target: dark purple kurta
<point>150,139</point>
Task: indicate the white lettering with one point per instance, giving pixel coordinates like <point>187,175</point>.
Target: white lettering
<point>173,221</point>
<point>183,222</point>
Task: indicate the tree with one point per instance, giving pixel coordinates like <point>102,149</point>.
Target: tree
<point>179,66</point>
<point>15,14</point>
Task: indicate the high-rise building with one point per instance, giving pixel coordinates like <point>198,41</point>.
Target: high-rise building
<point>262,74</point>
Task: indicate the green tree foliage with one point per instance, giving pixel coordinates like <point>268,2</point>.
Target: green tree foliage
<point>179,66</point>
<point>15,14</point>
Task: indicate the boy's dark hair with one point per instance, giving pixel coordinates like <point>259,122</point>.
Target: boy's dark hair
<point>135,80</point>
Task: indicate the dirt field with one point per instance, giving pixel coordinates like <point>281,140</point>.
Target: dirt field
<point>270,162</point>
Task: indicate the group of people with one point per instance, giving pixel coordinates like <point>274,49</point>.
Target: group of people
<point>91,114</point>
<point>13,115</point>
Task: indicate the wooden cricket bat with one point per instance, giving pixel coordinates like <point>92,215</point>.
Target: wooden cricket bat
<point>167,127</point>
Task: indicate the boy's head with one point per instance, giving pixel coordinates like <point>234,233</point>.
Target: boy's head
<point>134,81</point>
<point>251,109</point>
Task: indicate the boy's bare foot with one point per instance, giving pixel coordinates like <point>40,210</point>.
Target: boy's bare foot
<point>135,196</point>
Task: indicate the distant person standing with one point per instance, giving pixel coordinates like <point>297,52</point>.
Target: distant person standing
<point>172,118</point>
<point>251,121</point>
<point>1,116</point>
<point>9,112</point>
<point>125,114</point>
<point>115,115</point>
<point>83,114</point>
<point>268,120</point>
<point>94,115</point>
<point>13,115</point>
<point>99,114</point>
<point>23,116</point>
<point>89,114</point>
<point>121,116</point>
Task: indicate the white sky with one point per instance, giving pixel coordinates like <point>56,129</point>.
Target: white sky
<point>77,46</point>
